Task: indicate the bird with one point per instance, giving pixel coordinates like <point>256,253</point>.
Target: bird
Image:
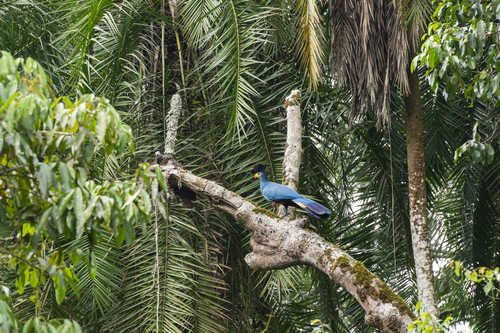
<point>278,193</point>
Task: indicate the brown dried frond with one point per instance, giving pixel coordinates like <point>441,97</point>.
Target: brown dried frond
<point>372,43</point>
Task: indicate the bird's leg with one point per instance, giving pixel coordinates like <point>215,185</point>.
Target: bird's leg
<point>286,211</point>
<point>274,207</point>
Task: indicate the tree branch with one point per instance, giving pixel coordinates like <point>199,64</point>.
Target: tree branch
<point>278,243</point>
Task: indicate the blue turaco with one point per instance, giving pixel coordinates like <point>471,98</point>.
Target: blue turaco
<point>278,193</point>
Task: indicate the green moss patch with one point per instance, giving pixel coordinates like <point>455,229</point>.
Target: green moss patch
<point>265,212</point>
<point>341,262</point>
<point>290,102</point>
<point>387,295</point>
<point>252,202</point>
<point>364,280</point>
<point>362,274</point>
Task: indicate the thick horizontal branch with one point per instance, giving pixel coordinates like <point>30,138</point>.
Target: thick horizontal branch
<point>279,243</point>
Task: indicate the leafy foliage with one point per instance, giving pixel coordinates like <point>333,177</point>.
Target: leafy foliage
<point>310,37</point>
<point>238,33</point>
<point>461,49</point>
<point>477,151</point>
<point>426,323</point>
<point>49,183</point>
<point>35,325</point>
<point>490,277</point>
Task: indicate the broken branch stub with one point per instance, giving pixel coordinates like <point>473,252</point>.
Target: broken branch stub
<point>172,123</point>
<point>293,149</point>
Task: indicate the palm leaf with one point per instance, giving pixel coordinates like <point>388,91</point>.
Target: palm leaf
<point>310,38</point>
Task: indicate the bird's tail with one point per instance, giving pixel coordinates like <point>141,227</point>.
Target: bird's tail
<point>314,209</point>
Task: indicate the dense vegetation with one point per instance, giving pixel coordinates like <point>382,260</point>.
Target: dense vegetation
<point>89,238</point>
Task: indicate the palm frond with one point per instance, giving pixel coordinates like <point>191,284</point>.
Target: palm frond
<point>179,292</point>
<point>78,37</point>
<point>416,16</point>
<point>237,33</point>
<point>372,48</point>
<point>29,29</point>
<point>309,41</point>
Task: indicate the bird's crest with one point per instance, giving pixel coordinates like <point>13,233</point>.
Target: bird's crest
<point>258,168</point>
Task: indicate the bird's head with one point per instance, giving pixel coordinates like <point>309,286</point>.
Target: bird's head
<point>258,171</point>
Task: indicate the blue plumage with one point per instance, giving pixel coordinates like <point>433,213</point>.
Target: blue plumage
<point>285,195</point>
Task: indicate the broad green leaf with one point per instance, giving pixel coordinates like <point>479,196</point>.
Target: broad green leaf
<point>154,189</point>
<point>28,229</point>
<point>76,255</point>
<point>7,103</point>
<point>476,155</point>
<point>43,220</point>
<point>146,200</point>
<point>414,64</point>
<point>78,210</point>
<point>490,152</point>
<point>161,179</point>
<point>44,178</point>
<point>65,175</point>
<point>120,237</point>
<point>101,125</point>
<point>481,29</point>
<point>65,201</point>
<point>107,204</point>
<point>20,284</point>
<point>29,326</point>
<point>488,287</point>
<point>59,287</point>
<point>34,278</point>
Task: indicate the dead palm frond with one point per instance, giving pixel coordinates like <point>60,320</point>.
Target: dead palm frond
<point>372,43</point>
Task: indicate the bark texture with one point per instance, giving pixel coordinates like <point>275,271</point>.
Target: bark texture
<point>279,243</point>
<point>173,123</point>
<point>418,197</point>
<point>293,149</point>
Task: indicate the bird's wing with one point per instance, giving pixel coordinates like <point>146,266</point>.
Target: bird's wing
<point>276,192</point>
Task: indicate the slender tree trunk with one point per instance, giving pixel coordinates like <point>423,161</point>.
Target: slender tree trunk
<point>418,197</point>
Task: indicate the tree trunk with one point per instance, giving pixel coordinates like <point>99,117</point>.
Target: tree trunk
<point>418,197</point>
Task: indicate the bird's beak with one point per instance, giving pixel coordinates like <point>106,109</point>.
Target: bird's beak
<point>256,176</point>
